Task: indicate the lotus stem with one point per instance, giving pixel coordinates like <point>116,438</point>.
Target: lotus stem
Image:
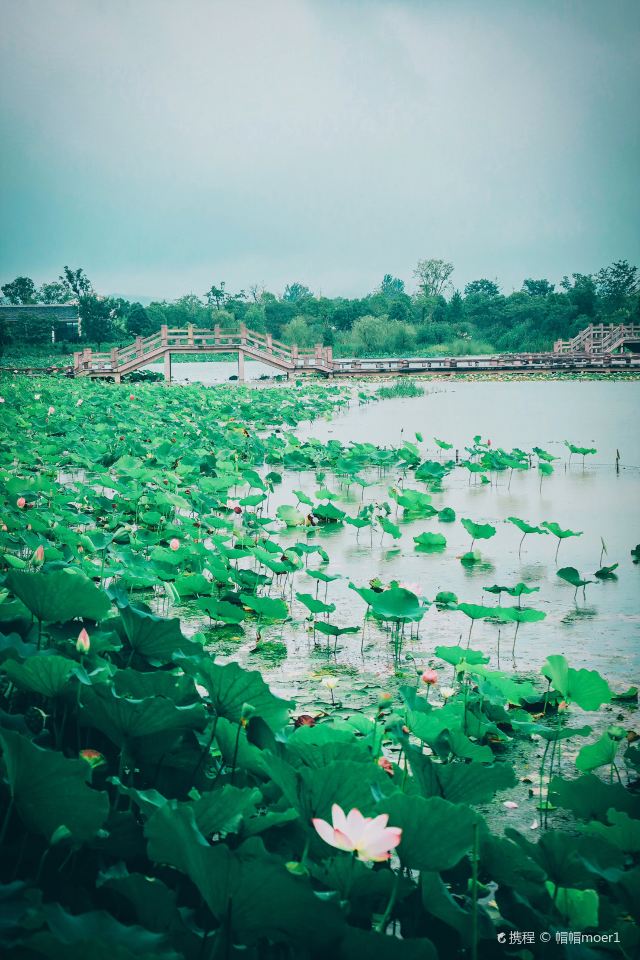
<point>382,925</point>
<point>474,894</point>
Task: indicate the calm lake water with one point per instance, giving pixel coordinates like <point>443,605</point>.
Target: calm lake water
<point>601,632</point>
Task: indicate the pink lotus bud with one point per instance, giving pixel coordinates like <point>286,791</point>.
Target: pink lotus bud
<point>174,543</point>
<point>21,502</point>
<point>1,399</point>
<point>79,402</point>
<point>93,757</point>
<point>38,556</point>
<point>83,642</point>
<point>51,411</point>
<point>429,677</point>
<point>131,396</point>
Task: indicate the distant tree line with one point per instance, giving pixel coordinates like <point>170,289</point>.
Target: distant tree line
<point>435,318</point>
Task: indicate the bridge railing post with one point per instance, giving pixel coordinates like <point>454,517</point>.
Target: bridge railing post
<point>190,334</point>
<point>216,333</point>
<point>114,358</point>
<point>318,351</point>
<point>138,346</point>
<point>76,359</point>
<point>294,353</point>
<point>269,343</point>
<point>243,333</point>
<point>86,358</point>
<point>164,334</point>
<point>328,353</point>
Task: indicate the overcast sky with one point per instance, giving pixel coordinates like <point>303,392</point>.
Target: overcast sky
<point>164,145</point>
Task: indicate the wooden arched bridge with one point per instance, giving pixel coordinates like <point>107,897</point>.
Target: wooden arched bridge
<point>593,349</point>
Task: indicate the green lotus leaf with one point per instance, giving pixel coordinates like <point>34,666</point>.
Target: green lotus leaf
<point>593,755</point>
<point>558,532</point>
<point>442,848</point>
<point>455,654</point>
<point>430,541</point>
<point>389,527</point>
<point>268,902</point>
<point>75,936</point>
<point>230,687</point>
<point>622,831</point>
<point>272,608</point>
<point>222,610</point>
<point>460,783</point>
<point>582,451</point>
<point>59,595</point>
<point>47,674</point>
<point>526,527</point>
<point>571,575</point>
<point>331,630</point>
<point>156,639</point>
<point>543,455</point>
<point>123,719</point>
<point>290,516</point>
<point>478,531</point>
<point>313,605</point>
<point>584,687</point>
<point>50,791</point>
<point>397,604</point>
<point>446,600</point>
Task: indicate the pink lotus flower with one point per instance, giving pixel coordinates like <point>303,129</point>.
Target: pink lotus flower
<point>83,643</point>
<point>79,402</point>
<point>38,556</point>
<point>510,805</point>
<point>369,837</point>
<point>21,502</point>
<point>51,411</point>
<point>174,543</point>
<point>429,677</point>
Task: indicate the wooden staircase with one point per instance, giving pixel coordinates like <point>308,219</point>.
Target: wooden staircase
<point>600,338</point>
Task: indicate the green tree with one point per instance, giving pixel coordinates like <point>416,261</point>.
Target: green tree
<point>616,285</point>
<point>538,288</point>
<point>216,296</point>
<point>433,277</point>
<point>54,292</point>
<point>581,293</point>
<point>22,290</point>
<point>298,331</point>
<point>483,288</point>
<point>138,321</point>
<point>77,282</point>
<point>391,287</point>
<point>296,293</point>
<point>255,318</point>
<point>369,335</point>
<point>455,307</point>
<point>97,319</point>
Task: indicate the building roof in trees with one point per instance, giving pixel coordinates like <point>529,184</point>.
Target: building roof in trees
<point>55,312</point>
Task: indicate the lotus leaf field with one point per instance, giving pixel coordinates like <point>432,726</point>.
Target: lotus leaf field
<point>161,798</point>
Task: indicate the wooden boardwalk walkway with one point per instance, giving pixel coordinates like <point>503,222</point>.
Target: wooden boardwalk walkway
<point>294,362</point>
<point>593,349</point>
